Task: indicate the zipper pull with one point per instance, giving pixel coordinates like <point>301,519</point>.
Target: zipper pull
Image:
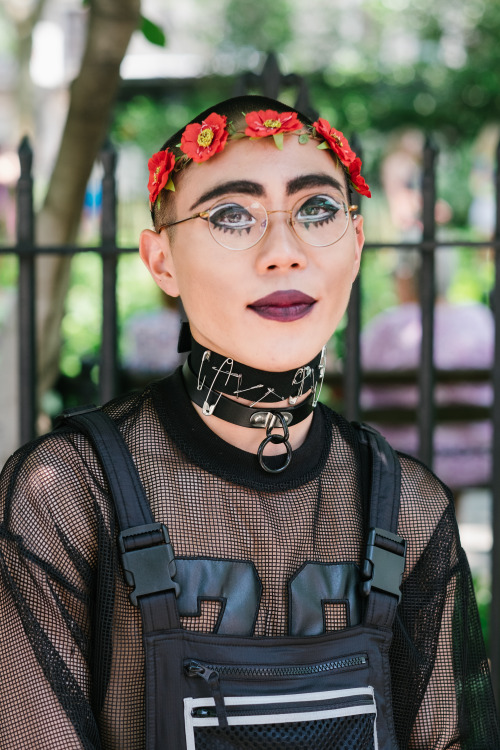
<point>194,668</point>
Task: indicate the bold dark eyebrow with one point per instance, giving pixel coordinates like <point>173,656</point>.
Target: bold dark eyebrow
<point>313,180</point>
<point>232,186</point>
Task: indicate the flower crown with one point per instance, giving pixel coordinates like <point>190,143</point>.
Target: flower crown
<point>201,141</point>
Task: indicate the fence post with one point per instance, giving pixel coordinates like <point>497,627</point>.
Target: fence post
<point>109,358</point>
<point>427,297</point>
<point>352,367</point>
<point>495,555</point>
<point>25,232</point>
<point>270,80</point>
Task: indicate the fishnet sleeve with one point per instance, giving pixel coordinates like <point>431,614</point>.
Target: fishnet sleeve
<point>48,548</point>
<point>442,692</point>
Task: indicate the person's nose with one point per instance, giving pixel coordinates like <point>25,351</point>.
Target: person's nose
<point>280,249</point>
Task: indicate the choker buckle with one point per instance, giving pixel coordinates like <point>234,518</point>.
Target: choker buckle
<point>268,419</point>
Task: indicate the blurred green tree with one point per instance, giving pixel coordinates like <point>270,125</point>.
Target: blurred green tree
<point>110,24</point>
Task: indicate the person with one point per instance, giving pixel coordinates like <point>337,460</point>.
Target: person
<point>464,340</point>
<point>255,230</point>
<point>150,344</point>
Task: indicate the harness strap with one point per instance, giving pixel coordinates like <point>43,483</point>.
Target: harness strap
<point>147,554</point>
<point>145,547</point>
<point>385,556</point>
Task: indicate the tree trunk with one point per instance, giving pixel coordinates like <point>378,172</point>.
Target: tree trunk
<point>111,24</point>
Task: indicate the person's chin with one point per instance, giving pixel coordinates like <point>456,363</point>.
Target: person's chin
<point>282,353</point>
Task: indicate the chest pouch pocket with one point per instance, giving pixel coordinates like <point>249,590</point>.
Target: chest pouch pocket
<point>325,720</point>
<point>268,693</point>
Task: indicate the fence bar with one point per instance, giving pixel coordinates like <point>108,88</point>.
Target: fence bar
<point>270,81</point>
<point>109,357</point>
<point>352,368</point>
<point>427,296</point>
<point>495,556</point>
<point>26,295</point>
<point>72,249</point>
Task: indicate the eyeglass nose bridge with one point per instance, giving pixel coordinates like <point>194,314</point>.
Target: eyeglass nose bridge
<point>264,224</point>
<point>289,221</point>
<point>279,211</point>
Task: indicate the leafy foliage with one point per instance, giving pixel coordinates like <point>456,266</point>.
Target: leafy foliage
<point>258,24</point>
<point>153,32</point>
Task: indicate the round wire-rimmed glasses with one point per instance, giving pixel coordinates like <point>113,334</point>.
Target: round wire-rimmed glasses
<point>237,223</point>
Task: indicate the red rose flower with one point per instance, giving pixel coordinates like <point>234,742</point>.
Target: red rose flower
<point>357,181</point>
<point>160,167</point>
<point>202,140</point>
<point>336,140</point>
<point>268,122</point>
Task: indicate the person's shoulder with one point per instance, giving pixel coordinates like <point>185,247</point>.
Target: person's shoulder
<point>427,516</point>
<point>417,480</point>
<point>65,457</point>
<point>40,473</point>
<point>42,456</point>
<point>419,484</point>
<point>50,492</point>
<point>426,503</point>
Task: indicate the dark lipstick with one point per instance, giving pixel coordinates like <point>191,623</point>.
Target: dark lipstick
<point>285,306</point>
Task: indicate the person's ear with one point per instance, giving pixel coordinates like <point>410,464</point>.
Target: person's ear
<point>360,241</point>
<point>156,254</point>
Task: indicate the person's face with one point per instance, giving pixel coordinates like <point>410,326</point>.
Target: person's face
<point>219,287</point>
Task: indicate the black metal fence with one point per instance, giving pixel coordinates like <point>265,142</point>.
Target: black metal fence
<point>352,375</point>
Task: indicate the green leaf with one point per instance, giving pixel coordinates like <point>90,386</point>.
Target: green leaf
<point>170,185</point>
<point>324,144</point>
<point>278,139</point>
<point>304,138</point>
<point>153,32</point>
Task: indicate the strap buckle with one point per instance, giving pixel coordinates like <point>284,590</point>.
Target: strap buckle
<point>148,563</point>
<point>384,563</point>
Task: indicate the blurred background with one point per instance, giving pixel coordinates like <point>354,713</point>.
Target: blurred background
<point>78,74</point>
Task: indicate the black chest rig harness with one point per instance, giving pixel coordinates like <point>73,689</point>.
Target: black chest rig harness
<point>228,690</point>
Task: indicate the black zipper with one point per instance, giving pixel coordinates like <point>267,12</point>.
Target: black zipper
<point>196,668</point>
<point>212,673</point>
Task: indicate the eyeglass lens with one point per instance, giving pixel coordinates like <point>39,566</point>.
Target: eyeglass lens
<point>318,220</point>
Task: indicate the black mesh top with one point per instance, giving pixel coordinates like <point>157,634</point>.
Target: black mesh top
<point>70,641</point>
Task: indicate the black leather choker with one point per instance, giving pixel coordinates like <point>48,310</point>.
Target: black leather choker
<point>225,375</point>
<point>208,376</point>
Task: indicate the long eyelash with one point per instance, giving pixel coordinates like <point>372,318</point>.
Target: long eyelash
<point>323,221</point>
<point>232,230</point>
<point>227,228</point>
<point>320,223</point>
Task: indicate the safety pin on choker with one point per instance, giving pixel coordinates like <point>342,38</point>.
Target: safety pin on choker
<point>321,372</point>
<point>208,408</point>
